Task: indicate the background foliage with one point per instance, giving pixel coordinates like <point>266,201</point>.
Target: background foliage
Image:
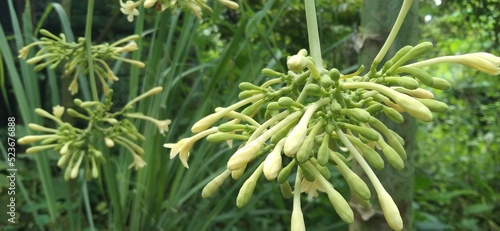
<point>200,63</point>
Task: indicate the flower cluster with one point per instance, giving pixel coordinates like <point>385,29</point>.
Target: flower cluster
<point>316,118</point>
<point>77,145</point>
<point>56,50</point>
<point>195,6</point>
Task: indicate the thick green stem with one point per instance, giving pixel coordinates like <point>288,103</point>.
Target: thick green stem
<point>88,44</point>
<point>313,33</point>
<point>392,35</point>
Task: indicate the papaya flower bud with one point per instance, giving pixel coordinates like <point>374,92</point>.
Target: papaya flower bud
<point>109,142</point>
<point>390,210</point>
<point>272,163</point>
<point>230,4</point>
<point>296,63</point>
<point>214,184</point>
<point>417,93</point>
<point>40,148</point>
<point>297,223</point>
<point>34,138</point>
<point>76,167</point>
<point>149,3</point>
<point>298,134</point>
<point>481,61</point>
<point>245,154</point>
<point>209,120</point>
<point>248,187</point>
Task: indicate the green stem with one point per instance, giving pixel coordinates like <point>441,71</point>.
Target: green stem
<point>392,35</point>
<point>88,44</point>
<point>86,202</point>
<point>313,34</point>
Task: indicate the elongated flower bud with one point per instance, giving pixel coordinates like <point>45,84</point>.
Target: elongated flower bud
<point>418,73</point>
<point>324,150</point>
<point>434,105</point>
<point>391,155</point>
<point>391,211</point>
<point>369,154</point>
<point>440,84</point>
<point>366,132</point>
<point>405,81</point>
<point>285,172</point>
<point>245,154</point>
<point>272,163</point>
<point>214,184</point>
<point>286,190</point>
<point>248,187</point>
<point>356,113</point>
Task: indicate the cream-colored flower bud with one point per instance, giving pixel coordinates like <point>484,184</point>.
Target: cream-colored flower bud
<point>65,148</point>
<point>296,63</point>
<point>297,222</point>
<point>109,142</point>
<point>76,167</point>
<point>230,4</point>
<point>414,107</point>
<point>215,184</point>
<point>272,163</point>
<point>241,157</point>
<point>132,46</point>
<point>95,170</point>
<point>294,140</point>
<point>149,3</point>
<point>40,148</point>
<point>417,93</point>
<point>63,160</point>
<point>248,187</point>
<point>34,138</point>
<point>391,211</point>
<point>238,173</point>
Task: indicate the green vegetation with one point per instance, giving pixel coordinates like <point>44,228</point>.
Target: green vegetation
<point>199,62</point>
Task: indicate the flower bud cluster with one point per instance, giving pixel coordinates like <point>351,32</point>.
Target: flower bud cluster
<point>312,116</point>
<point>195,6</point>
<point>81,147</point>
<point>56,50</point>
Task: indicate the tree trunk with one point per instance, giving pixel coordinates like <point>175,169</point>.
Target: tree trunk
<point>377,19</point>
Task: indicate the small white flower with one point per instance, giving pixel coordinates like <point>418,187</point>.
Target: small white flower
<point>182,148</point>
<point>138,162</point>
<point>129,8</point>
<point>311,188</point>
<point>163,125</point>
<point>58,111</point>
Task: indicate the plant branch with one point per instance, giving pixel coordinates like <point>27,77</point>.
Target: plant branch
<point>313,33</point>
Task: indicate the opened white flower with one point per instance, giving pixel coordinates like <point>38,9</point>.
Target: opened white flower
<point>58,111</point>
<point>182,148</point>
<point>138,162</point>
<point>184,145</point>
<point>311,188</point>
<point>129,8</point>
